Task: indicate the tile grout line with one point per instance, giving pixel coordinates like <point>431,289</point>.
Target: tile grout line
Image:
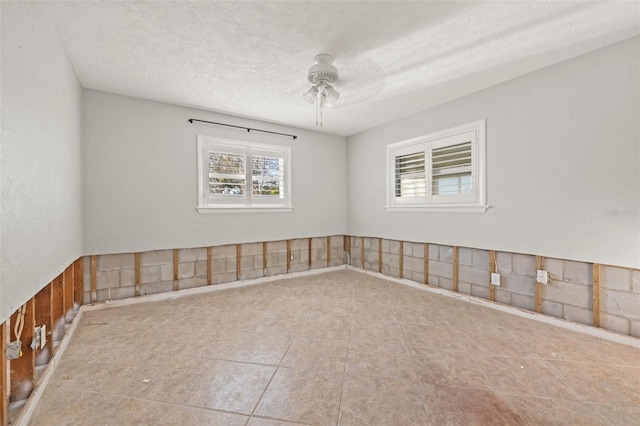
<point>346,357</point>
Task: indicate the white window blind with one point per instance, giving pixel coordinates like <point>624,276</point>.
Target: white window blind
<point>452,169</point>
<point>267,176</point>
<point>410,175</point>
<point>227,173</point>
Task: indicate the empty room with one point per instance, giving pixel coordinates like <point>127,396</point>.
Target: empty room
<point>277,213</point>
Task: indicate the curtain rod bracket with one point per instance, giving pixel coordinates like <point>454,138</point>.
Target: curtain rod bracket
<point>249,129</point>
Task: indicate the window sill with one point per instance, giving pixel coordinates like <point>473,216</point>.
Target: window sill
<point>244,209</point>
<point>438,209</point>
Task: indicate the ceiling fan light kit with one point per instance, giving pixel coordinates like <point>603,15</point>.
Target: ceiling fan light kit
<point>322,75</point>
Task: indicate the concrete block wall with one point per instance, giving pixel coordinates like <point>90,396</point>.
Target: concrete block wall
<point>371,254</point>
<point>115,273</point>
<point>569,293</point>
<point>413,261</point>
<point>355,248</point>
<point>473,272</point>
<point>620,300</point>
<point>517,280</point>
<point>391,257</point>
<point>440,266</point>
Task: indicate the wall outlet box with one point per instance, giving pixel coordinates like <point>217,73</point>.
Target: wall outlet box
<point>495,279</point>
<point>43,336</point>
<point>14,350</point>
<point>542,277</point>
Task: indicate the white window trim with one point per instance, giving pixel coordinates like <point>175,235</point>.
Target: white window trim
<point>479,206</point>
<point>203,207</point>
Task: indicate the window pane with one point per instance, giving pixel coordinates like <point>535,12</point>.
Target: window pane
<point>271,188</point>
<point>410,175</point>
<point>452,184</point>
<point>226,163</point>
<point>224,186</point>
<point>267,175</point>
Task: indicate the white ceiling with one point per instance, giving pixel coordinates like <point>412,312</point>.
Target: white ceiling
<point>395,58</point>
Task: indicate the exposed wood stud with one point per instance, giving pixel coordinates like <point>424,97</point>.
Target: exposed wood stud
<point>176,263</point>
<point>538,294</point>
<point>67,278</point>
<point>22,369</point>
<point>310,248</point>
<point>209,265</point>
<point>380,255</point>
<point>288,256</point>
<point>264,258</point>
<point>78,282</point>
<point>44,316</point>
<point>94,279</point>
<point>401,259</point>
<point>328,251</point>
<point>596,295</point>
<point>137,274</point>
<point>362,252</point>
<point>347,249</point>
<point>238,260</point>
<point>455,268</point>
<point>4,418</point>
<point>493,268</point>
<point>426,263</point>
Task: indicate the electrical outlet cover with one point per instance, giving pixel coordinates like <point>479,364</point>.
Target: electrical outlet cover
<point>495,279</point>
<point>542,276</point>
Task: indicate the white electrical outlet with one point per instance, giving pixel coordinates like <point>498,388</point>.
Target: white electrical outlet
<point>495,279</point>
<point>542,277</point>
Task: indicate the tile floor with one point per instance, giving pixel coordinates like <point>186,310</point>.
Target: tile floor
<point>339,347</point>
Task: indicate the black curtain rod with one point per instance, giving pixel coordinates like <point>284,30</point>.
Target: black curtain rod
<point>248,129</point>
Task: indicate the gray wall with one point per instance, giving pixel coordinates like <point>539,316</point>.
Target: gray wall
<point>563,148</point>
<point>140,176</point>
<point>41,203</point>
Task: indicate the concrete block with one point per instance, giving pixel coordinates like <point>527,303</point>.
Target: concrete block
<point>414,264</point>
<point>504,262</point>
<point>278,269</point>
<point>473,276</point>
<point>614,278</point>
<point>521,284</point>
<point>464,288</point>
<point>251,249</point>
<point>555,268</point>
<point>156,257</point>
<point>479,291</point>
<point>622,304</point>
<point>337,241</point>
<point>321,244</point>
<point>635,328</point>
<point>393,246</point>
<point>159,287</point>
<point>614,323</point>
<point>116,261</point>
<point>553,309</point>
<point>480,259</point>
<point>465,256</point>
<point>228,250</point>
<point>370,243</point>
<point>417,250</point>
<point>524,264</point>
<point>217,265</point>
<point>394,271</point>
<point>635,281</point>
<point>192,254</point>
<point>151,274</point>
<point>192,282</point>
<point>415,276</point>
<point>106,279</point>
<point>503,296</point>
<point>522,301</point>
<point>579,315</point>
<point>297,267</point>
<point>568,293</point>
<point>127,277</point>
<point>258,261</point>
<point>87,297</point>
<point>223,278</point>
<point>433,280</point>
<point>246,263</point>
<point>186,270</point>
<point>434,251</point>
<point>300,244</point>
<point>385,269</point>
<point>201,268</point>
<point>440,269</point>
<point>578,272</point>
<point>446,254</point>
<point>166,272</point>
<point>278,247</point>
<point>251,273</point>
<point>445,283</point>
<point>230,264</point>
<point>115,293</point>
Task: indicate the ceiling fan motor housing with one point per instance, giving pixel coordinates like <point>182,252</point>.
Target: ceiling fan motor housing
<point>323,71</point>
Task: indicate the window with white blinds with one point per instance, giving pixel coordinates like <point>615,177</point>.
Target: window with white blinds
<point>242,175</point>
<point>443,171</point>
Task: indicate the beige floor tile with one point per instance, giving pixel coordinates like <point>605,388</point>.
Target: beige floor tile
<point>259,421</point>
<point>552,411</point>
<point>451,368</point>
<point>311,397</point>
<point>316,354</point>
<point>178,415</point>
<point>259,348</point>
<point>378,401</point>
<point>620,415</point>
<point>380,362</point>
<point>448,405</point>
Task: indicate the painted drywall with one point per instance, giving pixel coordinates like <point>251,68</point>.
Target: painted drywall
<point>41,202</point>
<point>563,161</point>
<point>140,176</point>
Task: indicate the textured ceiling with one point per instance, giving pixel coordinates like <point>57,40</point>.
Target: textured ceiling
<point>395,58</point>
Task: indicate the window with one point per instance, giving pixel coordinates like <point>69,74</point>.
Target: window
<point>443,171</point>
<point>242,176</point>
